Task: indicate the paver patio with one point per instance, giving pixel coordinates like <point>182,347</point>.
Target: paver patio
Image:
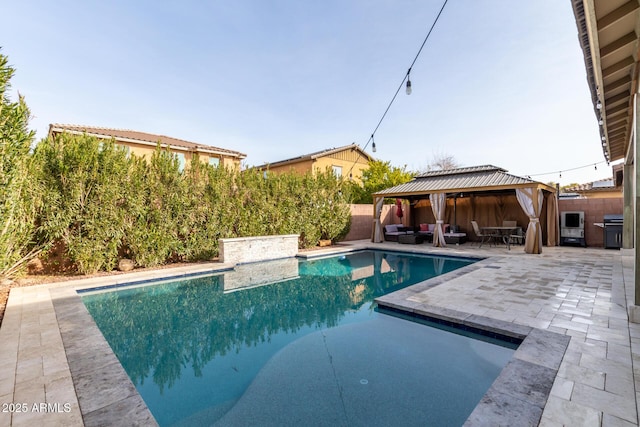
<point>45,358</point>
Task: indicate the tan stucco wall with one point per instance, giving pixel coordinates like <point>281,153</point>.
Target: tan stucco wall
<point>602,194</point>
<point>299,167</point>
<point>323,163</point>
<point>146,151</point>
<point>327,162</point>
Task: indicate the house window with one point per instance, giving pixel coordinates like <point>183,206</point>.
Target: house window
<point>126,149</point>
<point>214,161</point>
<point>181,161</point>
<point>337,171</point>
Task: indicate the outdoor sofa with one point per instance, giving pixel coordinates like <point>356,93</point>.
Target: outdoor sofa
<point>392,231</point>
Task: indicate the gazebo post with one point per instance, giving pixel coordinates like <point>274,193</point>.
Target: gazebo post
<point>376,232</point>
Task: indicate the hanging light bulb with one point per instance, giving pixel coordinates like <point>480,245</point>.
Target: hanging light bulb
<point>409,82</point>
<point>560,174</point>
<point>373,146</point>
<point>601,122</point>
<point>595,167</point>
<point>598,105</point>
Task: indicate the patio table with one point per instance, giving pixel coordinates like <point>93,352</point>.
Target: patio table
<point>411,239</point>
<point>501,232</point>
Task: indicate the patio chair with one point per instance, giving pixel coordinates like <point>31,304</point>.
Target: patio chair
<point>517,236</point>
<point>483,236</point>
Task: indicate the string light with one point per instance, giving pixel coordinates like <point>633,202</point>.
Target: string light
<point>595,166</point>
<point>407,88</point>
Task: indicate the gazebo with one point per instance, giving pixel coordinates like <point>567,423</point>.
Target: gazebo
<point>486,194</point>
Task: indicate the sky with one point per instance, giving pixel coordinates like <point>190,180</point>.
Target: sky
<point>497,82</point>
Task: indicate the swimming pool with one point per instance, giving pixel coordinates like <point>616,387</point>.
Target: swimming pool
<point>294,338</point>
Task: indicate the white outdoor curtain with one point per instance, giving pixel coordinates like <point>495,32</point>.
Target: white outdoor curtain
<point>376,235</point>
<point>530,200</point>
<point>438,205</point>
<point>438,265</point>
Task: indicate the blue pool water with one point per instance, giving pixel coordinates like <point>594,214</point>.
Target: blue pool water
<point>284,342</point>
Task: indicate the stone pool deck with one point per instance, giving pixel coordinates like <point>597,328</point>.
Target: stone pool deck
<point>54,373</point>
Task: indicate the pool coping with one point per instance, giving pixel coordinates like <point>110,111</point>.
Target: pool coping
<point>519,394</point>
<point>106,394</point>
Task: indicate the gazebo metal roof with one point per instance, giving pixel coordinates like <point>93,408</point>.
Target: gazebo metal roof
<point>467,179</point>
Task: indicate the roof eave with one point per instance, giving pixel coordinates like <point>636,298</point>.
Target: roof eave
<point>612,70</point>
<point>197,148</point>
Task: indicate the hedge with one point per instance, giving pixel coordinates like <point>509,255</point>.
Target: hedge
<point>104,204</point>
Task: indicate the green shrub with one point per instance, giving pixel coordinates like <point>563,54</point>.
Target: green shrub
<point>155,236</point>
<point>19,195</point>
<point>84,182</point>
<point>103,204</point>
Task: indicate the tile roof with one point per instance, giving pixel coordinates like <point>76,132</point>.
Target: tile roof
<point>601,185</point>
<point>476,178</point>
<point>317,154</point>
<point>135,136</point>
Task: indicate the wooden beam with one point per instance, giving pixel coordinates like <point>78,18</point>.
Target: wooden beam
<point>615,133</point>
<point>618,83</point>
<point>617,143</point>
<point>616,128</point>
<point>613,110</point>
<point>618,66</point>
<point>624,96</point>
<point>618,44</point>
<point>617,14</point>
<point>617,119</point>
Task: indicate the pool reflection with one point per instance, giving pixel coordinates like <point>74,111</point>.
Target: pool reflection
<point>223,328</point>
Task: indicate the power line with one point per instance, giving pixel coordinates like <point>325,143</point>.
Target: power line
<point>402,83</point>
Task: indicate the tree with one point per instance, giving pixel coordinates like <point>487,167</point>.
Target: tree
<point>378,176</point>
<point>18,197</point>
<point>442,161</point>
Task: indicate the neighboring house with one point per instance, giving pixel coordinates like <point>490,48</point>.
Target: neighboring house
<point>348,161</point>
<point>144,144</point>
<point>603,189</point>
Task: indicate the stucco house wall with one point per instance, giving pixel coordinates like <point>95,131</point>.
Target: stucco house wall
<point>143,144</point>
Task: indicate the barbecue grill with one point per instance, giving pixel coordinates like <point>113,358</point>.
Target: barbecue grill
<point>613,231</point>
